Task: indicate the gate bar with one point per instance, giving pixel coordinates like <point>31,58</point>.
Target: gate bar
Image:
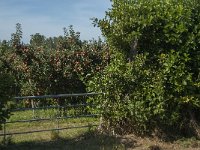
<point>56,96</point>
<point>55,129</point>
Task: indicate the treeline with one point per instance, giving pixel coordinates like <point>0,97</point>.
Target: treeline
<point>55,65</point>
<point>52,65</point>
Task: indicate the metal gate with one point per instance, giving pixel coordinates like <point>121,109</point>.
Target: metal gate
<point>62,106</point>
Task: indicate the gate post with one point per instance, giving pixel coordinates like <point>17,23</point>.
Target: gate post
<point>33,107</point>
<point>4,133</point>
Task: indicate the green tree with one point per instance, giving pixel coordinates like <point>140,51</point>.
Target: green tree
<point>17,36</point>
<point>54,65</point>
<point>158,86</point>
<point>6,88</point>
<point>156,26</point>
<point>37,40</point>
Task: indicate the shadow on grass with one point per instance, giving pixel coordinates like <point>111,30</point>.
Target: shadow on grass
<point>88,141</point>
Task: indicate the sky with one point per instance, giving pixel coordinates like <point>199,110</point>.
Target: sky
<point>49,17</point>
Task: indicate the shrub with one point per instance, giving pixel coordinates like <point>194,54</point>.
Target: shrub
<point>159,87</point>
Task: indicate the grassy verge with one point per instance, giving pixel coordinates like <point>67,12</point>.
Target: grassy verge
<point>75,140</point>
<point>53,123</point>
<point>47,136</point>
<point>80,138</point>
<point>84,139</point>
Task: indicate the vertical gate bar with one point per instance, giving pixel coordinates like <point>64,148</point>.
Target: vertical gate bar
<point>4,133</point>
<point>57,119</point>
<point>32,105</point>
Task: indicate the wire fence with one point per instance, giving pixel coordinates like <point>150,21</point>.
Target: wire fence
<point>59,109</point>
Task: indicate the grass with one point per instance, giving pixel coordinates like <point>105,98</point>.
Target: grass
<point>84,140</point>
<point>80,138</point>
<point>46,124</point>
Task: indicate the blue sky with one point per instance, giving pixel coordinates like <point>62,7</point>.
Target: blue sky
<point>48,17</point>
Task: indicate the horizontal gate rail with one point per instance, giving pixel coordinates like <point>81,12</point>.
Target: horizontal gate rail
<point>46,119</point>
<point>54,129</point>
<point>56,117</point>
<point>56,96</point>
<point>50,107</point>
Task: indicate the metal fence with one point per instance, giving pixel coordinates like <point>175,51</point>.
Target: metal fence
<point>33,101</point>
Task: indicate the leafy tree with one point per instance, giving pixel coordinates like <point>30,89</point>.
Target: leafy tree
<point>54,65</point>
<point>6,83</point>
<point>6,88</point>
<point>158,87</point>
<point>156,26</point>
<point>37,40</point>
<point>17,36</point>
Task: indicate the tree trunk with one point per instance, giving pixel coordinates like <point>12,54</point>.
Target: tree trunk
<point>193,124</point>
<point>133,50</point>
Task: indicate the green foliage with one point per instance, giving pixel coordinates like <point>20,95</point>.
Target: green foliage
<point>6,84</point>
<point>158,25</point>
<point>139,97</point>
<point>52,65</point>
<point>17,36</point>
<point>160,88</point>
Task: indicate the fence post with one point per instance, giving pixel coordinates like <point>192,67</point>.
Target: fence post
<point>4,133</point>
<point>57,120</point>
